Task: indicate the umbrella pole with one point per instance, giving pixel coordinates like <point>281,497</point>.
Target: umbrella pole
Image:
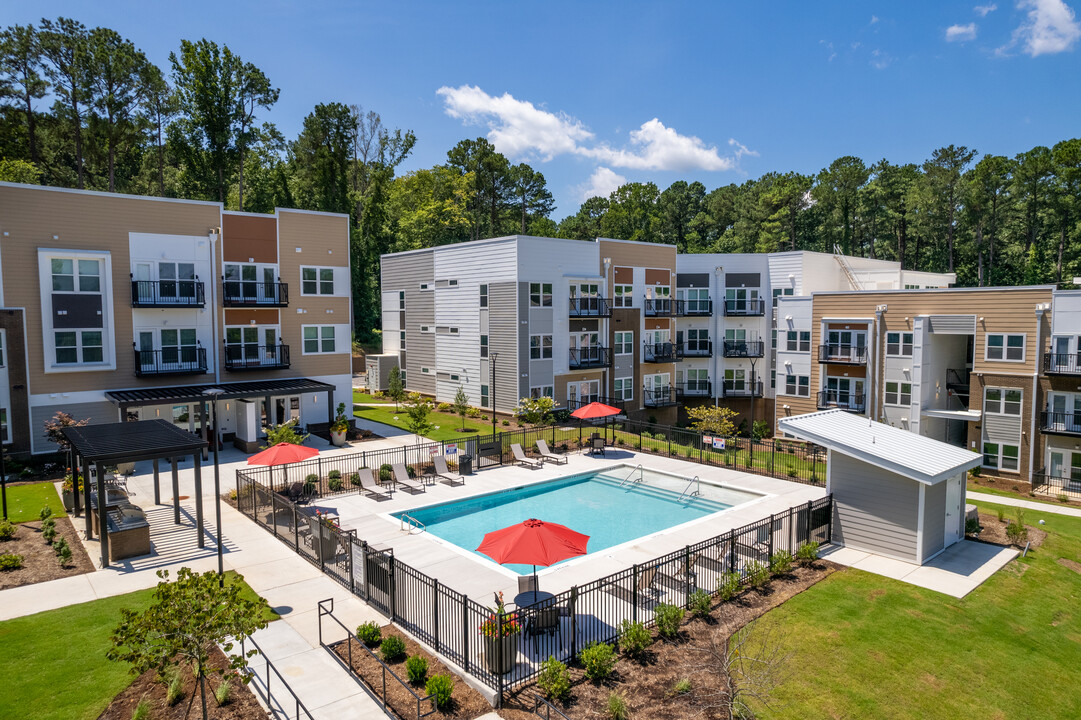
<point>534,583</point>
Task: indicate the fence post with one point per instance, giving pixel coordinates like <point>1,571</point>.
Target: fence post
<point>829,523</point>
<point>771,521</point>
<point>807,534</point>
<point>465,633</point>
<point>502,656</point>
<point>574,623</point>
<point>634,594</point>
<point>393,590</point>
<point>687,576</point>
<point>435,612</point>
<point>296,529</point>
<point>732,551</point>
<point>349,558</point>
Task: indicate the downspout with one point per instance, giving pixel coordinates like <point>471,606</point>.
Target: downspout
<point>876,372</point>
<point>1041,309</point>
<point>214,234</point>
<point>718,273</point>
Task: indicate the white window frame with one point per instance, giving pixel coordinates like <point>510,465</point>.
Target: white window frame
<point>539,391</point>
<point>544,296</point>
<point>1001,403</point>
<point>1005,347</point>
<point>623,388</point>
<point>540,347</point>
<point>897,396</point>
<point>624,346</point>
<point>319,280</point>
<point>623,295</point>
<point>105,285</point>
<point>1000,456</point>
<point>320,339</point>
<point>798,386</point>
<point>903,343</point>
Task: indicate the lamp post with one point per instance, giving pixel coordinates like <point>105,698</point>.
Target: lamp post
<point>214,393</point>
<point>491,387</point>
<point>4,480</point>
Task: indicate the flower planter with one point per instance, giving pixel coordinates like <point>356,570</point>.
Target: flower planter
<point>501,655</point>
<point>337,437</point>
<point>69,500</point>
<point>324,541</point>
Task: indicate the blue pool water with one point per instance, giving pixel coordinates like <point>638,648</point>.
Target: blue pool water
<point>592,503</point>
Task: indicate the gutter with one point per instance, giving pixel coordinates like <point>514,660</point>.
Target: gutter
<point>1041,310</point>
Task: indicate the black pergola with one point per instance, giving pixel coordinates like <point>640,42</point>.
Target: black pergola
<point>114,443</point>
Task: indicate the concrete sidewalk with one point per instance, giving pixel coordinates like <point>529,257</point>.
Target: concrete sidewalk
<point>1027,504</point>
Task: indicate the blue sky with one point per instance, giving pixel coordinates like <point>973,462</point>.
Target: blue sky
<point>592,93</point>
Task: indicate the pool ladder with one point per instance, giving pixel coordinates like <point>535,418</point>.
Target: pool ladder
<point>627,479</point>
<point>697,491</point>
<point>409,523</point>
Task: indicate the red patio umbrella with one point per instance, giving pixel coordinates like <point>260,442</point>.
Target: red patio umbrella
<point>282,454</point>
<point>596,410</point>
<point>533,542</point>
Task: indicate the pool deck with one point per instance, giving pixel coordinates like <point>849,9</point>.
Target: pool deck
<point>478,578</point>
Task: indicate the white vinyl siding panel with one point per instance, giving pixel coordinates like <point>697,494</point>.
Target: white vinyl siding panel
<point>1003,429</point>
<point>934,512</point>
<point>874,509</point>
<point>405,273</point>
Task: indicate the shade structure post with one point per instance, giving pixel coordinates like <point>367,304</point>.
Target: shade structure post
<point>176,490</point>
<point>103,530</point>
<point>199,499</point>
<point>157,485</point>
<point>86,499</point>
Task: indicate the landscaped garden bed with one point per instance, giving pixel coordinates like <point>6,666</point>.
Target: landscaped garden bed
<point>39,560</point>
<point>995,529</point>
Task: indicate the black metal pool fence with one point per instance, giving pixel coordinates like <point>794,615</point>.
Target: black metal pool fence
<point>503,652</point>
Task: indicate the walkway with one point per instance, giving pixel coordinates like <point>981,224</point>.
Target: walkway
<point>1027,504</point>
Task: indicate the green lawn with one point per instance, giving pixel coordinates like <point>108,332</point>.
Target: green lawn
<point>25,501</point>
<point>446,422</point>
<point>363,398</point>
<point>1044,499</point>
<point>54,665</point>
<point>865,646</point>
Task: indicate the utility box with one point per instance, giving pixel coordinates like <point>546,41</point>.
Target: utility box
<point>377,371</point>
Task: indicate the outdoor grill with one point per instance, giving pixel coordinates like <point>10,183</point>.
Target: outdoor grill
<point>129,532</point>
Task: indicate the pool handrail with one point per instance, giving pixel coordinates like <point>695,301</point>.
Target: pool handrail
<point>408,522</point>
<point>641,475</point>
<point>697,491</point>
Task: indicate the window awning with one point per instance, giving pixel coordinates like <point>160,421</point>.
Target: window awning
<point>194,393</point>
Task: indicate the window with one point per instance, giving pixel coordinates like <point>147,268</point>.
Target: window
<point>316,281</point>
<point>735,379</point>
<point>798,385</point>
<point>425,371</point>
<point>542,391</point>
<point>624,342</point>
<point>71,275</point>
<point>426,329</point>
<point>4,437</point>
<point>899,344</point>
<point>452,283</point>
<point>177,280</point>
<point>78,346</point>
<point>484,396</point>
<point>540,347</point>
<point>623,296</point>
<point>773,340</point>
<point>1002,401</point>
<point>624,388</point>
<point>898,393</point>
<point>799,341</point>
<point>401,339</point>
<point>540,294</point>
<point>484,346</point>
<point>1,349</point>
<point>320,339</point>
<point>778,292</point>
<point>1002,457</point>
<point>484,296</point>
<point>772,379</point>
<point>243,346</point>
<point>178,346</point>
<point>401,299</point>
<point>425,286</point>
<point>1008,348</point>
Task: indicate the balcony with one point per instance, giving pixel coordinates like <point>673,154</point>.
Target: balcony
<point>694,388</point>
<point>696,349</point>
<point>660,307</point>
<point>694,308</point>
<point>256,357</point>
<point>842,354</point>
<point>1062,363</point>
<point>744,308</point>
<point>852,402</point>
<point>170,361</point>
<point>590,307</point>
<point>590,357</point>
<point>742,389</point>
<point>744,348</point>
<point>243,293</point>
<point>1060,423</point>
<point>658,397</point>
<point>662,352</point>
<point>167,294</point>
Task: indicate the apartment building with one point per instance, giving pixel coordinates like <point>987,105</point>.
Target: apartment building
<point>120,307</point>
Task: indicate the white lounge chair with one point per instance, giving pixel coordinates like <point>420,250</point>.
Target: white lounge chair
<point>520,456</point>
<point>401,477</point>
<point>549,456</point>
<point>443,472</point>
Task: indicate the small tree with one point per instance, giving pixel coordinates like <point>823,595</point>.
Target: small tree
<point>395,390</point>
<point>710,419</point>
<point>55,425</point>
<point>759,429</point>
<point>188,618</point>
<point>535,410</point>
<point>461,405</point>
<point>286,432</point>
<point>418,410</point>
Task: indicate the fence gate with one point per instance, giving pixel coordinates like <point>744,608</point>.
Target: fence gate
<point>375,581</point>
<point>489,453</point>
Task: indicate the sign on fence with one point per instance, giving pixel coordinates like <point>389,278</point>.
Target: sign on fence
<point>707,440</point>
<point>451,448</point>
<point>718,443</point>
<point>433,450</point>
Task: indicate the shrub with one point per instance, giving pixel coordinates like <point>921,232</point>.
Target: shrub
<point>386,473</point>
<point>972,526</point>
<point>310,482</point>
<point>554,680</point>
<point>598,659</point>
<point>354,479</point>
<point>505,423</point>
<point>440,687</point>
<point>617,706</point>
<point>758,575</point>
<point>682,687</point>
<point>444,407</point>
<point>48,530</point>
<point>392,649</point>
<point>1016,532</point>
<point>416,669</point>
<point>700,603</point>
<point>634,638</point>
<point>45,514</point>
<point>369,634</point>
<point>174,688</point>
<point>1001,515</point>
<point>728,586</point>
<point>781,562</point>
<point>7,531</point>
<point>334,475</point>
<point>1063,498</point>
<point>223,691</point>
<point>668,619</point>
<point>472,412</point>
<point>63,551</point>
<point>142,710</point>
<point>410,471</point>
<point>807,552</point>
<point>792,472</point>
<point>637,445</point>
<point>335,483</point>
<point>11,561</point>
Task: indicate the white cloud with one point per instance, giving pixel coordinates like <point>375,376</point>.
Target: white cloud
<point>741,149</point>
<point>880,59</point>
<point>961,33</point>
<point>1051,28</point>
<point>517,128</point>
<point>602,183</point>
<point>985,10</point>
<point>874,19</point>
<point>656,147</point>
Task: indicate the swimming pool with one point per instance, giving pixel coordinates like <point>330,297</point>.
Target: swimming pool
<point>593,503</point>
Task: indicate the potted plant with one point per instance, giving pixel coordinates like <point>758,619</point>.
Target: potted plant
<point>501,631</point>
<point>325,531</point>
<point>339,427</point>
<point>68,491</point>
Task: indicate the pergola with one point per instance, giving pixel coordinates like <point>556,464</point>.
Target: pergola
<point>113,443</point>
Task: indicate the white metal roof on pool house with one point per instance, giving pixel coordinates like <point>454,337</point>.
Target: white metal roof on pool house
<point>914,456</point>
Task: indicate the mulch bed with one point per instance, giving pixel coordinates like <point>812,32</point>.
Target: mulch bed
<point>241,705</point>
<point>994,532</point>
<point>39,561</point>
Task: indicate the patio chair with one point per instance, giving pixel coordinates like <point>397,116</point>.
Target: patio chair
<point>646,579</point>
<point>521,459</point>
<point>549,456</point>
<point>368,483</point>
<point>401,477</point>
<point>686,576</point>
<point>527,584</point>
<point>596,445</point>
<point>443,472</point>
<point>543,621</point>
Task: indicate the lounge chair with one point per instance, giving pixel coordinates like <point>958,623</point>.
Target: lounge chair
<point>547,455</point>
<point>368,483</point>
<point>520,457</point>
<point>646,578</point>
<point>401,477</point>
<point>443,472</point>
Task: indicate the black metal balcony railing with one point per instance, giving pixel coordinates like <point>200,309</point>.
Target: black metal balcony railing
<point>742,388</point>
<point>745,308</point>
<point>853,402</point>
<point>842,354</point>
<point>744,348</point>
<point>700,348</point>
<point>243,293</point>
<point>694,388</point>
<point>1062,363</point>
<point>590,357</point>
<point>1047,483</point>
<point>659,307</point>
<point>168,294</point>
<point>658,397</point>
<point>1060,423</point>
<point>617,403</point>
<point>694,308</point>
<point>590,307</point>
<point>661,352</point>
<point>170,361</point>
<point>256,357</point>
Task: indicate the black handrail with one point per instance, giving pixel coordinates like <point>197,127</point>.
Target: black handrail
<point>268,698</point>
<point>256,357</point>
<point>252,293</point>
<point>1062,363</point>
<point>694,388</point>
<point>660,307</point>
<point>702,347</point>
<point>539,703</point>
<point>1067,423</point>
<point>181,360</point>
<point>589,307</point>
<point>844,353</point>
<point>168,293</point>
<point>746,308</point>
<point>844,400</point>
<point>658,397</point>
<point>694,308</point>
<point>660,352</point>
<point>744,348</point>
<point>588,357</point>
<point>745,390</point>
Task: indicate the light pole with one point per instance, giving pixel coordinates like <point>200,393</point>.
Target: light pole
<point>491,387</point>
<point>4,480</point>
<point>214,393</point>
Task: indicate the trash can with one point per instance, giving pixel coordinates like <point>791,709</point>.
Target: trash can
<point>465,464</point>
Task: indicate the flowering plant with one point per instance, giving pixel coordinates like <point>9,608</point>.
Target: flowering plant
<point>511,625</point>
<point>327,520</point>
<point>69,483</point>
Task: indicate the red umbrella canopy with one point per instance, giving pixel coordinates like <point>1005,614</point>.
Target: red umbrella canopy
<point>282,454</point>
<point>595,410</point>
<point>533,542</point>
